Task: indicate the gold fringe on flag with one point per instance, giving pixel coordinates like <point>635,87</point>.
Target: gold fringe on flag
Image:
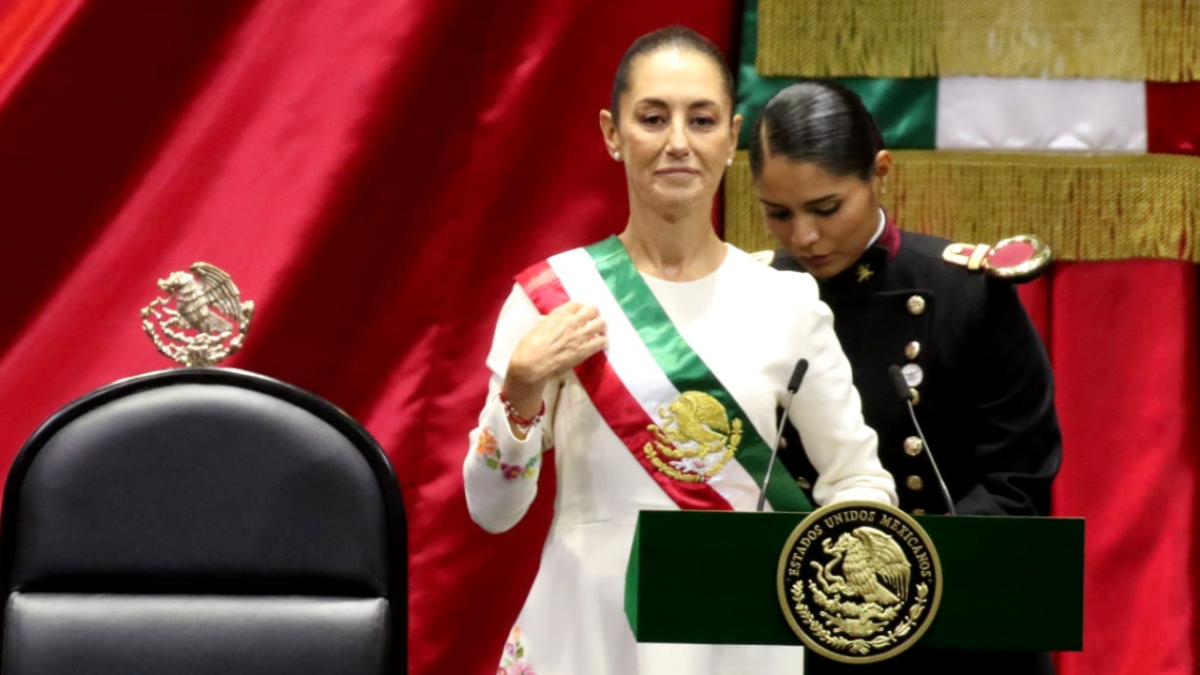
<point>1157,40</point>
<point>1087,207</point>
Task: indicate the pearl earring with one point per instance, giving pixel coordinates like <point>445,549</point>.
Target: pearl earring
<point>729,162</point>
<point>617,156</point>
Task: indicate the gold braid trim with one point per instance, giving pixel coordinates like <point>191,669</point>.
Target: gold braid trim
<point>1157,40</point>
<point>1087,207</point>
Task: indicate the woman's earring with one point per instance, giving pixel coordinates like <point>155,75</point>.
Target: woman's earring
<point>616,155</point>
<point>729,162</point>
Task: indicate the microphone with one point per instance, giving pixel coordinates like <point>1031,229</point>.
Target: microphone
<point>793,386</point>
<point>906,394</point>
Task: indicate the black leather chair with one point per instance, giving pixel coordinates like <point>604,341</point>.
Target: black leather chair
<point>202,521</point>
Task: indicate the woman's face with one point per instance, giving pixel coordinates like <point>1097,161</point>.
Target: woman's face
<point>675,133</point>
<point>824,220</point>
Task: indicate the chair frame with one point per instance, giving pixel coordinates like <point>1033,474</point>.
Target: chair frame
<point>389,486</point>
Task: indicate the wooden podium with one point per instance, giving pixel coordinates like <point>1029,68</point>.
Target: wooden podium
<point>710,577</point>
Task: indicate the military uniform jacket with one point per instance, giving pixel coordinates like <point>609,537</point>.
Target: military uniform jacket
<point>982,376</point>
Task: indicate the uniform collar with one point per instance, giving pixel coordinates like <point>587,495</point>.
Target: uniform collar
<point>868,270</point>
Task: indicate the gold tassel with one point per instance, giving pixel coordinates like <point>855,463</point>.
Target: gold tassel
<point>1087,207</point>
<point>744,226</point>
<point>1157,40</point>
<point>1171,31</point>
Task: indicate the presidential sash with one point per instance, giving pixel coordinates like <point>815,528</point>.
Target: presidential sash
<point>679,422</point>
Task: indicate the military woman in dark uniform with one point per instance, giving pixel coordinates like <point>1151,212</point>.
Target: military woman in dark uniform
<point>975,367</point>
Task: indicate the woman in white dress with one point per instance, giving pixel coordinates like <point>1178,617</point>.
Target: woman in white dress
<point>653,363</point>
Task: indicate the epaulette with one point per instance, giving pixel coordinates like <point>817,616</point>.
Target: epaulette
<point>764,257</point>
<point>1019,259</point>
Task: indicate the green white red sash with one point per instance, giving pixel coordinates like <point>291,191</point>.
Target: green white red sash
<point>647,350</point>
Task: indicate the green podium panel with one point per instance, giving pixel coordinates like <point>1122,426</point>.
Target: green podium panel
<point>709,577</point>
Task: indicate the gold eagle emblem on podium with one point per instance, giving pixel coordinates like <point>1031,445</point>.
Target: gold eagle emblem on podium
<point>872,564</point>
<point>859,581</point>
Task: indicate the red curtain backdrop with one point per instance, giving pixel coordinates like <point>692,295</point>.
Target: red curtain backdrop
<point>372,174</point>
<point>1124,347</point>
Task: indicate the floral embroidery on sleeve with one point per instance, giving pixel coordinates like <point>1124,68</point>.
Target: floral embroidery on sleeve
<point>489,447</point>
<point>513,661</point>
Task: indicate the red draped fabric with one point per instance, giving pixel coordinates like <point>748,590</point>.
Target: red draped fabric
<point>1123,339</point>
<point>1126,355</point>
<point>372,174</point>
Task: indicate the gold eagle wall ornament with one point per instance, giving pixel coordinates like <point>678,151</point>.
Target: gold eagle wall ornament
<point>202,320</point>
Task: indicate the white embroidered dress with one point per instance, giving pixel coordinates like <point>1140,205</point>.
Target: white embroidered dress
<point>750,324</point>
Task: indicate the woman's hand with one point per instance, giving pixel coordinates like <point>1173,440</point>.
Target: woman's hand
<point>561,340</point>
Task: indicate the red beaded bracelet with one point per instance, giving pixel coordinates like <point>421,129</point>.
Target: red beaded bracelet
<point>522,423</point>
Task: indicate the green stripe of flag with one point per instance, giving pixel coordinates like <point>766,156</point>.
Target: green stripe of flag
<point>905,110</point>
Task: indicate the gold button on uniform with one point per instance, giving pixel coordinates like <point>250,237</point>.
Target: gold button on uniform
<point>912,350</point>
<point>916,305</point>
<point>783,442</point>
<point>918,512</point>
<point>914,483</point>
<point>913,446</point>
<point>916,396</point>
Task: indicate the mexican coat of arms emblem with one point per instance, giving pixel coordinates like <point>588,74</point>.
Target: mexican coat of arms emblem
<point>859,581</point>
<point>202,319</point>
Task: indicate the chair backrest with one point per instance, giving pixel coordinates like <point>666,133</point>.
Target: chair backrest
<point>202,521</point>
